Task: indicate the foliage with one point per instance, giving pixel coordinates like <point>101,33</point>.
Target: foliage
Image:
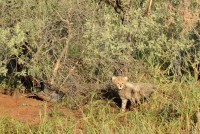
<point>79,45</point>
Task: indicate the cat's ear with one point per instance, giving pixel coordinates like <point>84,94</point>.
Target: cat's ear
<point>113,78</point>
<point>126,78</point>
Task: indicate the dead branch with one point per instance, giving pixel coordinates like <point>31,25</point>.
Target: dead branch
<point>58,62</point>
<point>148,10</point>
<point>196,33</point>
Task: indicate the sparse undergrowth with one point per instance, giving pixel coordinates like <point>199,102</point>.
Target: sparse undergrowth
<point>79,45</point>
<point>170,111</point>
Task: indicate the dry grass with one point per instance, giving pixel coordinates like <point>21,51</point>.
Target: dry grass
<point>171,111</point>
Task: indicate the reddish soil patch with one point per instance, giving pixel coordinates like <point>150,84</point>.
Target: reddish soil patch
<point>23,109</point>
<point>26,110</point>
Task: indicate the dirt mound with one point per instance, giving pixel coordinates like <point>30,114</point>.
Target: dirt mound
<point>26,110</point>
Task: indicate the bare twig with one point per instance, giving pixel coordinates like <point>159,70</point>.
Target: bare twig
<point>58,62</point>
<point>147,13</point>
<point>196,33</point>
<point>72,69</point>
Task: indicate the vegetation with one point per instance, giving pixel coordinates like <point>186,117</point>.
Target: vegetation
<point>78,45</point>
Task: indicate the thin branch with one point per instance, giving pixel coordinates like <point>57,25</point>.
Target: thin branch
<point>65,49</point>
<point>147,13</point>
<point>196,33</point>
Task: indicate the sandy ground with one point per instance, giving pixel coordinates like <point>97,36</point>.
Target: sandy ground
<point>26,110</point>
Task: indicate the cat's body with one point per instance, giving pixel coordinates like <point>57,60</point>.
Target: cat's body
<point>135,92</point>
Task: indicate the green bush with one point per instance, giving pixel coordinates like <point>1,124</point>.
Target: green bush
<point>76,43</point>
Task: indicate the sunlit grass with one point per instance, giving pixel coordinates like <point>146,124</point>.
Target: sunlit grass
<point>171,110</point>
